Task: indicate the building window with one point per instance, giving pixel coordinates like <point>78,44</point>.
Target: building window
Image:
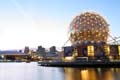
<point>119,50</point>
<point>90,49</point>
<point>107,50</point>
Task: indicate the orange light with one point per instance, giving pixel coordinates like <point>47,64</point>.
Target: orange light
<point>92,24</point>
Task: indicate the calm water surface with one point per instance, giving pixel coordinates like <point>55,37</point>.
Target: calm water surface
<point>31,71</point>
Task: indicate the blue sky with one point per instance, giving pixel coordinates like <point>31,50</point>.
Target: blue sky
<point>45,22</point>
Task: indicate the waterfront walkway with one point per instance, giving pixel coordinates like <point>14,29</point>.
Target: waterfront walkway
<point>96,64</point>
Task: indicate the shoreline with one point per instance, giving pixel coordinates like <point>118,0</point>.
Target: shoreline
<point>81,64</point>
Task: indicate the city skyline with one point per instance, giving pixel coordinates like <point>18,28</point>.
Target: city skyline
<point>33,22</point>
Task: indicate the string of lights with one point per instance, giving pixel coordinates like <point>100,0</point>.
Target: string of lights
<point>88,27</point>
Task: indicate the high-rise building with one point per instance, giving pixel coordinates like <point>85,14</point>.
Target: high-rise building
<point>41,51</point>
<point>53,49</point>
<point>26,49</point>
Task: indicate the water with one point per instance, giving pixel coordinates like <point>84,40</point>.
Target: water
<point>31,71</point>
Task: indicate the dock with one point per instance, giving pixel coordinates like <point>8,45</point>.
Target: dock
<point>92,64</point>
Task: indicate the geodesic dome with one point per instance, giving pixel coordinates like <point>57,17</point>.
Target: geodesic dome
<point>88,27</point>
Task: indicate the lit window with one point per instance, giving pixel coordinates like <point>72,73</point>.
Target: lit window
<point>90,49</point>
<point>119,49</point>
<point>107,49</point>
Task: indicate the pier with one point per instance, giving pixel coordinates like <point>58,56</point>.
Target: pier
<point>93,64</point>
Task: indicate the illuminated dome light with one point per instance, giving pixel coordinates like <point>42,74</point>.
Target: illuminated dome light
<point>88,27</point>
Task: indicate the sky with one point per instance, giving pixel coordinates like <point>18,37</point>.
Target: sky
<point>45,22</point>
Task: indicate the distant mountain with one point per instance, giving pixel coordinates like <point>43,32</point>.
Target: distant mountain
<point>10,52</point>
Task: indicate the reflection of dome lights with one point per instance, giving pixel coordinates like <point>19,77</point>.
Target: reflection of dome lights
<point>88,27</point>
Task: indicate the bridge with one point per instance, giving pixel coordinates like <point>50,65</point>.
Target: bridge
<point>13,55</point>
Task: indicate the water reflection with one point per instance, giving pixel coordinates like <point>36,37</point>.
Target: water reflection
<point>31,71</point>
<point>50,73</point>
<point>18,71</point>
<point>92,74</point>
